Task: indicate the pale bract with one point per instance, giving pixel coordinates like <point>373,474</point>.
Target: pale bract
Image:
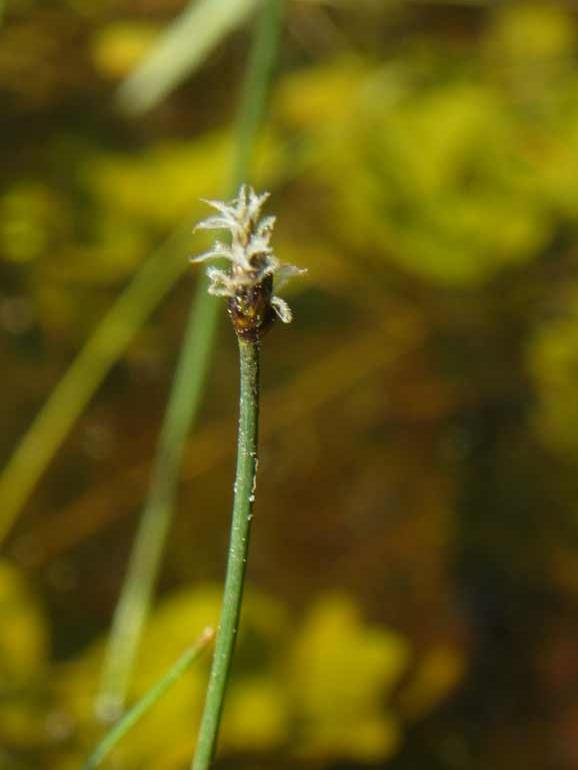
<point>249,252</point>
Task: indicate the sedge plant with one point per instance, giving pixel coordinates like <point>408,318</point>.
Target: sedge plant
<point>184,401</point>
<point>252,306</point>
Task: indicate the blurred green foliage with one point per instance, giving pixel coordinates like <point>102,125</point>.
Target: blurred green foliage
<point>416,540</point>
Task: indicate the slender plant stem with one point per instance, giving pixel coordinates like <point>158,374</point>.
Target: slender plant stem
<point>182,48</point>
<point>244,496</point>
<point>184,402</point>
<point>68,399</point>
<point>144,564</point>
<point>138,711</point>
<point>256,86</point>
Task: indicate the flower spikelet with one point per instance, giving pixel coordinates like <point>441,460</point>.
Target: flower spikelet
<point>248,285</point>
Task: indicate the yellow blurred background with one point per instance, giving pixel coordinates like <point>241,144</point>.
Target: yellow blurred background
<point>413,577</point>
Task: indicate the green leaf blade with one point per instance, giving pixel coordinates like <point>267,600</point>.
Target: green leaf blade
<point>182,49</point>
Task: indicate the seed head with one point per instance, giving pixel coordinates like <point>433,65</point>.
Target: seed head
<point>248,285</point>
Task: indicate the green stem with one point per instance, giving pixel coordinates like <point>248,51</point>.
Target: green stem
<point>138,711</point>
<point>145,559</point>
<point>69,398</point>
<point>238,548</point>
<point>255,89</point>
<point>184,403</point>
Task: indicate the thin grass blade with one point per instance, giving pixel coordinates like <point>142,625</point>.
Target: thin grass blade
<point>182,48</point>
<point>69,398</point>
<point>146,555</point>
<point>138,711</point>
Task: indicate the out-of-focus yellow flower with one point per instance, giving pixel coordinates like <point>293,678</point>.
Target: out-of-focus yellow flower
<point>340,672</point>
